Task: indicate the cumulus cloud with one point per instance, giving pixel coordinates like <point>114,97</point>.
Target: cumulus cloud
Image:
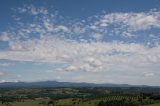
<point>91,56</point>
<point>126,24</point>
<point>81,45</point>
<point>98,27</point>
<point>139,21</point>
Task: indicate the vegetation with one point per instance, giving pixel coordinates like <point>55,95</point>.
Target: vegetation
<point>80,96</point>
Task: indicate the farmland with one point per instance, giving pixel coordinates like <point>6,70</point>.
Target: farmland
<point>80,96</point>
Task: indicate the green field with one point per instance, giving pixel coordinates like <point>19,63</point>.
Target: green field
<point>26,103</point>
<point>63,102</point>
<point>66,102</point>
<point>157,104</point>
<point>81,96</point>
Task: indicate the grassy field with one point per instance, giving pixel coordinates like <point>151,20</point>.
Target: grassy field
<point>26,103</point>
<point>62,102</point>
<point>77,96</point>
<point>157,104</point>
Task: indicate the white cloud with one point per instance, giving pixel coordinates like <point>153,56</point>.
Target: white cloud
<point>62,28</point>
<point>70,68</point>
<point>54,46</point>
<point>143,21</point>
<point>4,36</point>
<point>82,46</point>
<point>33,10</point>
<point>127,23</point>
<point>97,36</point>
<point>113,24</point>
<point>81,56</point>
<point>48,25</point>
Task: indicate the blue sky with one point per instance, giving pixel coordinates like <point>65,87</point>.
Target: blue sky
<point>105,41</point>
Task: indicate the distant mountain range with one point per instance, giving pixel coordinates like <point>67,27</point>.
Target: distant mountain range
<point>46,84</point>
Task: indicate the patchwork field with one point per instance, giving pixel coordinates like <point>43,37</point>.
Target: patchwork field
<point>80,96</point>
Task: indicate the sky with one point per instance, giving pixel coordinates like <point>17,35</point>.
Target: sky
<point>100,41</point>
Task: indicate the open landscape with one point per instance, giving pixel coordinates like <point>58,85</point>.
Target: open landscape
<point>77,94</point>
<point>79,52</point>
